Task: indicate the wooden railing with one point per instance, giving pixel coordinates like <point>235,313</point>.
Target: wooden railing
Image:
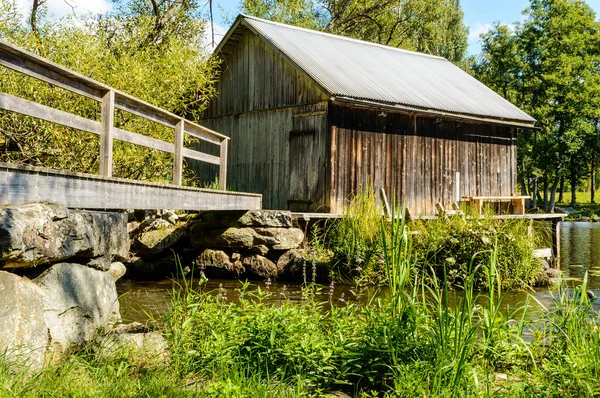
<point>42,69</point>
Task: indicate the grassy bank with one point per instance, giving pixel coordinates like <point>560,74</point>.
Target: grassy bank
<point>410,343</point>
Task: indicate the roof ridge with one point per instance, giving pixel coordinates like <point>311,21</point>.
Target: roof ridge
<point>339,37</point>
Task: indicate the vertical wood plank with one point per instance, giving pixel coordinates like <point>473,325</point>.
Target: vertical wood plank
<point>106,139</point>
<point>177,155</point>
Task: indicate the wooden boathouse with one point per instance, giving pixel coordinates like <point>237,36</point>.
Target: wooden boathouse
<point>315,117</point>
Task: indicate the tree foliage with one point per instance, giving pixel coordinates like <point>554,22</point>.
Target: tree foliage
<point>548,66</point>
<point>430,26</point>
<point>147,49</point>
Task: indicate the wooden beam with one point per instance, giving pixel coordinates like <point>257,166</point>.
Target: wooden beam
<point>203,157</point>
<point>25,184</point>
<point>223,166</point>
<point>143,140</point>
<point>106,138</point>
<point>178,157</point>
<point>29,108</point>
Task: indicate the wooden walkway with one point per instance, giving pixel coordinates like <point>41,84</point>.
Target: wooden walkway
<point>23,184</point>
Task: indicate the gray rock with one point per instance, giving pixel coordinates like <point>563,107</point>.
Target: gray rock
<point>170,217</point>
<point>235,238</point>
<point>217,260</point>
<point>154,223</point>
<point>78,300</point>
<point>154,241</point>
<point>117,270</point>
<point>294,261</point>
<point>279,238</point>
<point>40,233</point>
<point>260,249</point>
<point>23,332</point>
<point>246,238</point>
<point>100,263</point>
<point>239,219</point>
<point>147,350</point>
<point>260,266</point>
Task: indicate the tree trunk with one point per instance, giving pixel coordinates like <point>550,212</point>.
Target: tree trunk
<point>535,193</point>
<point>553,195</point>
<point>573,185</point>
<point>561,190</point>
<point>593,182</point>
<point>545,193</point>
<point>522,184</point>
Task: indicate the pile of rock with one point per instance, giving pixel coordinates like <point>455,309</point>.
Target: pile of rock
<point>50,305</point>
<point>244,243</point>
<point>220,243</point>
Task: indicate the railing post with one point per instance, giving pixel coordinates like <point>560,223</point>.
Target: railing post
<point>223,165</point>
<point>106,138</point>
<point>178,154</point>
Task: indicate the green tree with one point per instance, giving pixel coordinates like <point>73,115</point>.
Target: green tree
<point>430,26</point>
<point>147,49</point>
<point>548,66</point>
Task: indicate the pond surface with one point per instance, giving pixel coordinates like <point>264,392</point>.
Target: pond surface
<point>580,252</point>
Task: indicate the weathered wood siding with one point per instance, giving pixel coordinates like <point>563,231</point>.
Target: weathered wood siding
<point>277,120</point>
<point>281,154</point>
<point>254,77</point>
<point>416,158</point>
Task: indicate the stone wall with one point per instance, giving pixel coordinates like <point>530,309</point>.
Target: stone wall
<point>226,244</point>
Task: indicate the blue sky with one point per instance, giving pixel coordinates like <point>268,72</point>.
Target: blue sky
<point>479,14</point>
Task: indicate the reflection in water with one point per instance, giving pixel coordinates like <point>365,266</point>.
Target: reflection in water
<point>580,252</point>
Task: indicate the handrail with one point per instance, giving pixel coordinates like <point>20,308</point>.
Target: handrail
<point>33,65</point>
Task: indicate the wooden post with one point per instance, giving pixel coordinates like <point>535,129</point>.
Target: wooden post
<point>556,241</point>
<point>457,187</point>
<point>106,138</point>
<point>223,165</point>
<point>178,154</point>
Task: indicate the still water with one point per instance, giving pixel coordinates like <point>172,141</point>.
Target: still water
<point>580,253</point>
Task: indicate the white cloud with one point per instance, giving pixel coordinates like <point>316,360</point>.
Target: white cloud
<point>478,29</point>
<point>61,8</point>
<point>207,38</point>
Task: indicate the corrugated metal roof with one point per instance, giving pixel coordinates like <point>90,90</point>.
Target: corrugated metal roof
<point>375,73</point>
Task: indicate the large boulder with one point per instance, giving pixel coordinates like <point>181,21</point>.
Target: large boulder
<point>240,219</point>
<point>230,238</point>
<point>154,241</point>
<point>41,233</point>
<point>23,332</point>
<point>260,266</point>
<point>218,263</point>
<point>279,238</point>
<point>78,301</point>
<point>246,238</point>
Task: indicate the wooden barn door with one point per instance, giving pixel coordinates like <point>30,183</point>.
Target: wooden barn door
<point>307,163</point>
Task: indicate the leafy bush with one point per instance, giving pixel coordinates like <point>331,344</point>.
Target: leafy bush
<point>458,246</point>
<point>453,245</point>
<point>173,73</point>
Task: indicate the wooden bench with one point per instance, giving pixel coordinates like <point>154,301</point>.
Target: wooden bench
<point>517,202</point>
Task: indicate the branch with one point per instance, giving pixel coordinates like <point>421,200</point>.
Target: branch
<point>33,17</point>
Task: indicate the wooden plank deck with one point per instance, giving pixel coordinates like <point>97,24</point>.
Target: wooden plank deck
<point>25,184</point>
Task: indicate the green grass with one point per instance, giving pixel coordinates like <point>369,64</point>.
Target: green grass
<point>584,206</point>
<point>410,342</point>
